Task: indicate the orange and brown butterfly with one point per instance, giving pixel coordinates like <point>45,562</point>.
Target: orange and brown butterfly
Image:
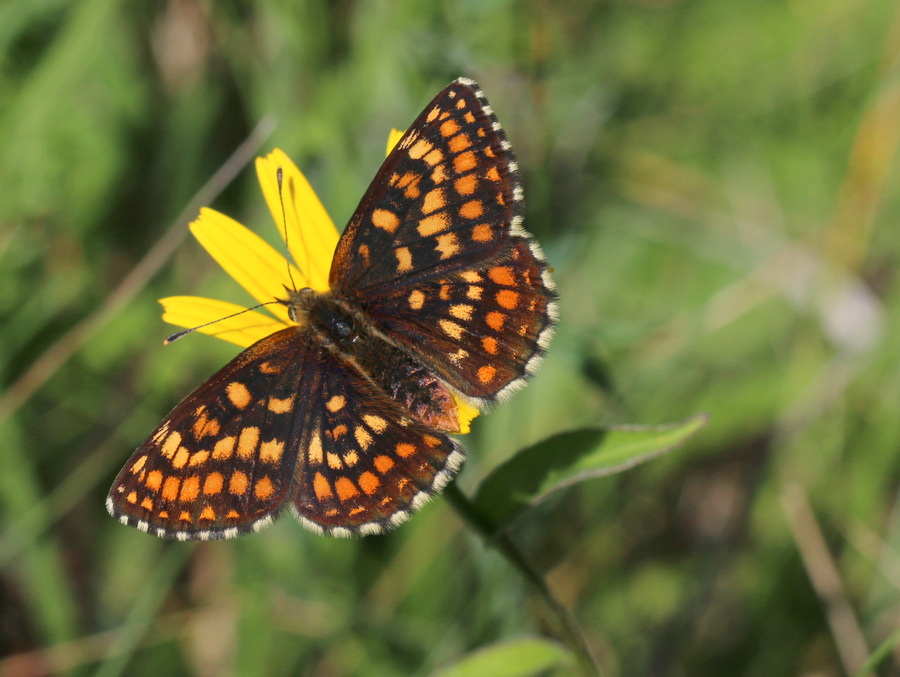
<point>436,303</point>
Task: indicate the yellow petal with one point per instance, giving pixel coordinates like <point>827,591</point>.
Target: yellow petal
<point>393,138</point>
<point>310,234</point>
<point>244,329</point>
<point>465,412</point>
<point>255,265</point>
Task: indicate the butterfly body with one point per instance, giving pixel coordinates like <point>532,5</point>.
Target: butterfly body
<point>438,297</point>
<point>346,333</point>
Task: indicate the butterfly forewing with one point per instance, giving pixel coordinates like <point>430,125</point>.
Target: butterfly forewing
<point>222,462</point>
<point>437,256</point>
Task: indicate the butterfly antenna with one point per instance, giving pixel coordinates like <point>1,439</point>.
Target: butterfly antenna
<point>287,247</point>
<point>184,332</point>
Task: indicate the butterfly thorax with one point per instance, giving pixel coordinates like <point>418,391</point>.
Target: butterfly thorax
<point>344,331</point>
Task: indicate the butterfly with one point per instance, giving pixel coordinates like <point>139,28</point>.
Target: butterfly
<point>437,296</point>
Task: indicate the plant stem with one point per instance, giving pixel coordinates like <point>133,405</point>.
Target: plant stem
<point>566,626</point>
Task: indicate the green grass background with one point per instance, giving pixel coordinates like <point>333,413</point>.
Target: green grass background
<point>713,183</point>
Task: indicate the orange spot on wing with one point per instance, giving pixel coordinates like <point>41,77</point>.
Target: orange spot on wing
<point>190,489</point>
<point>449,128</point>
<point>486,374</point>
<point>132,497</point>
<point>147,504</point>
<point>416,299</point>
<point>461,311</point>
<point>264,489</point>
<point>139,464</point>
<point>482,233</point>
<point>405,449</point>
<point>459,143</point>
<point>315,448</point>
<point>434,157</point>
<point>502,275</point>
<point>170,488</point>
<point>451,328</point>
<point>434,200</point>
<point>181,458</point>
<point>385,220</point>
<point>404,259</point>
<point>247,442</point>
<point>472,209</point>
<point>345,488</point>
<point>465,162</point>
<point>238,394</point>
<point>199,458</point>
<point>495,320</point>
<point>369,483</point>
<point>490,344</point>
<point>466,185</point>
<point>238,482</point>
<point>271,451</point>
<point>154,480</point>
<point>431,440</point>
<point>447,245</point>
<point>507,298</point>
<point>431,225</point>
<point>363,438</point>
<point>268,368</point>
<point>213,484</point>
<point>224,448</point>
<point>233,514</point>
<point>171,444</point>
<point>321,487</point>
<point>419,148</point>
<point>208,513</point>
<point>493,174</point>
<point>383,463</point>
<point>336,403</point>
<point>280,406</point>
<point>185,516</point>
<point>471,276</point>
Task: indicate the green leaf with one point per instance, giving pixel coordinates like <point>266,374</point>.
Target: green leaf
<point>515,658</point>
<point>537,471</point>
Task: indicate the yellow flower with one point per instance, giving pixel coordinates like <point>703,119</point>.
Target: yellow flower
<point>260,269</point>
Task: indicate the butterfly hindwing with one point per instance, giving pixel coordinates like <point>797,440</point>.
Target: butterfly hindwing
<point>365,464</point>
<point>286,422</point>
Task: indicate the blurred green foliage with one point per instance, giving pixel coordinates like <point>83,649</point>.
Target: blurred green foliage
<point>713,183</point>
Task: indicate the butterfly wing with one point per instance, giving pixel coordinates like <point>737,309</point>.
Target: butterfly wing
<point>221,463</point>
<point>284,423</point>
<point>436,255</point>
<point>366,465</point>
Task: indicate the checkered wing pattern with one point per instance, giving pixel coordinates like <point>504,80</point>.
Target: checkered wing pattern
<point>319,437</point>
<point>437,257</point>
<point>366,465</point>
<point>221,463</point>
<point>433,282</point>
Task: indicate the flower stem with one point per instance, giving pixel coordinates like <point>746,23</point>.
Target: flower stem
<point>566,626</point>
